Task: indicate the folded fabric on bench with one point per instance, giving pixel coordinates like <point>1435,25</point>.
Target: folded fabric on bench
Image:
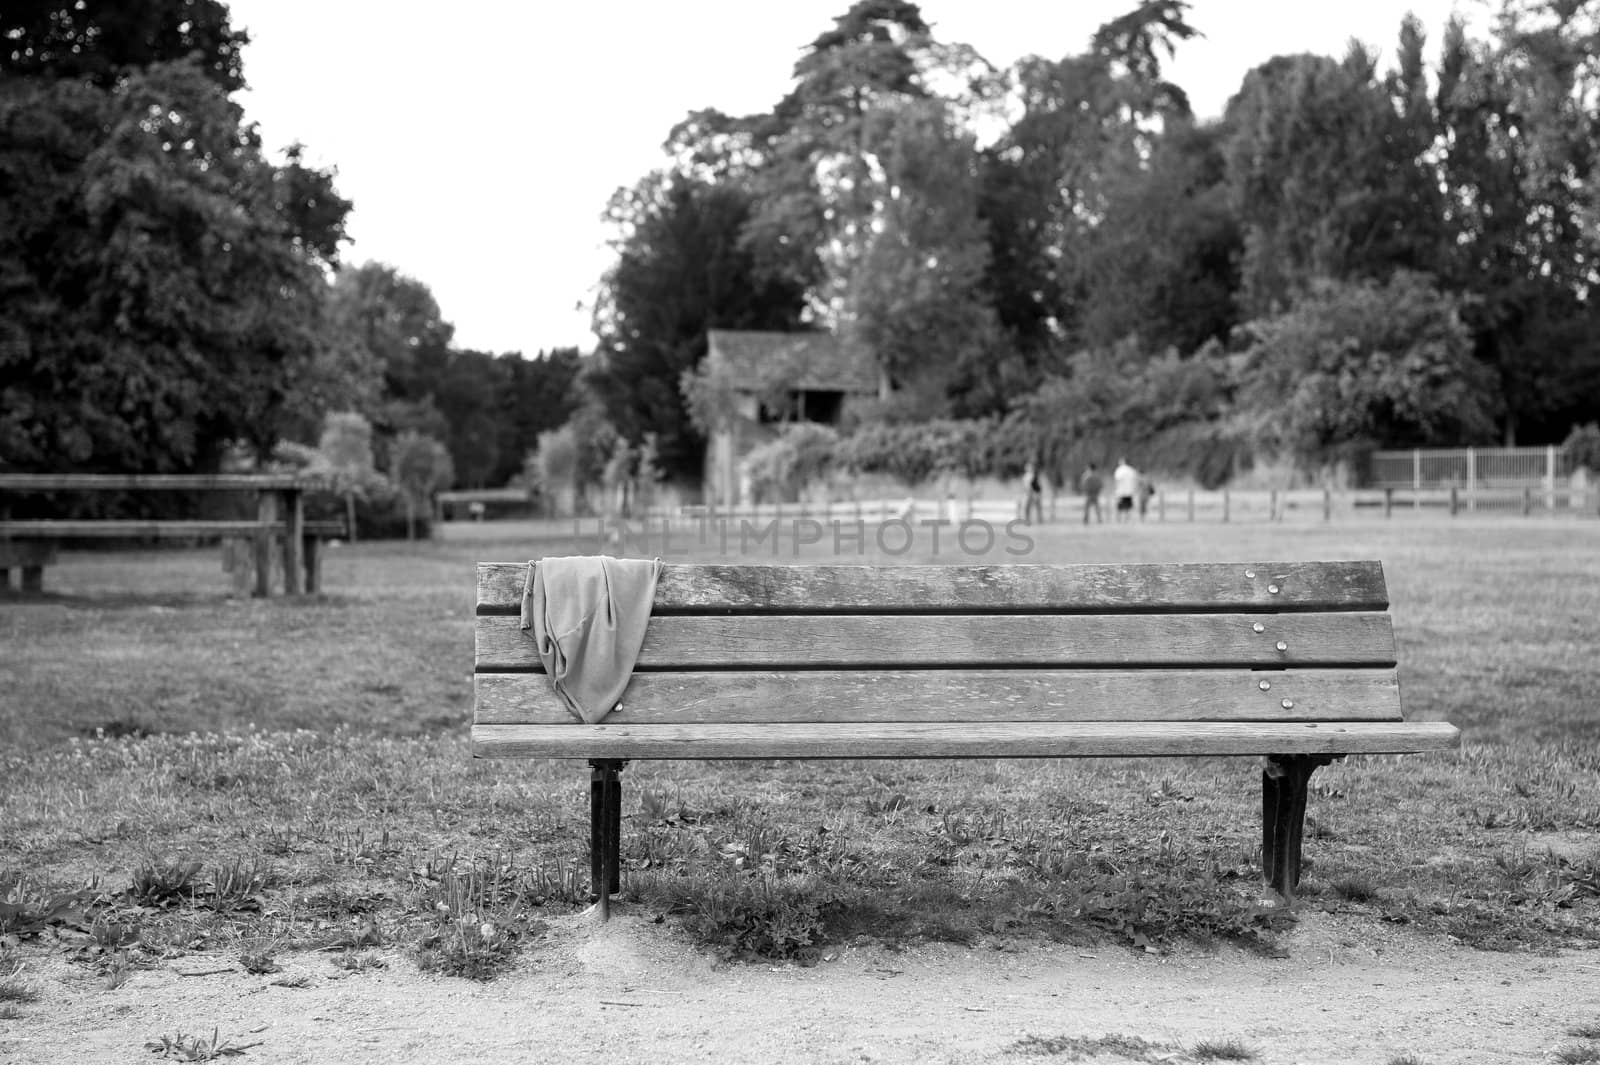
<point>587,615</point>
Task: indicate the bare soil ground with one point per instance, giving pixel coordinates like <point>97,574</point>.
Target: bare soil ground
<point>1347,991</point>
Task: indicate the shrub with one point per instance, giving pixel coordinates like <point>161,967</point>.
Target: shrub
<point>1582,446</point>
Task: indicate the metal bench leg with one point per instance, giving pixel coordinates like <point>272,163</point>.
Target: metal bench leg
<point>1283,811</point>
<point>605,831</point>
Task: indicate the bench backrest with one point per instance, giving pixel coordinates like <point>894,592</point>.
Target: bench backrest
<point>972,646</point>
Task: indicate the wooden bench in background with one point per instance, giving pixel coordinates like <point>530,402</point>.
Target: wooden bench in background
<point>32,545</point>
<point>1291,661</point>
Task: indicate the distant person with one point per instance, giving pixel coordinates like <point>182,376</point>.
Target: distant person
<point>1125,485</point>
<point>1033,494</point>
<point>1147,489</point>
<point>1091,484</point>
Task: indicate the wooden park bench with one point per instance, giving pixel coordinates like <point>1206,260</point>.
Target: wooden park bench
<point>31,545</point>
<point>1291,661</point>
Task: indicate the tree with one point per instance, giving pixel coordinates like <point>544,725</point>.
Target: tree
<point>96,41</point>
<point>1518,121</point>
<point>915,298</point>
<point>537,397</point>
<point>159,289</point>
<point>399,323</point>
<point>1362,363</point>
<point>683,268</point>
<point>346,446</point>
<point>420,465</point>
<point>1088,127</point>
<point>1329,176</point>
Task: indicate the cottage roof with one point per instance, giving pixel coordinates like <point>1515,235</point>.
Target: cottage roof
<point>822,362</point>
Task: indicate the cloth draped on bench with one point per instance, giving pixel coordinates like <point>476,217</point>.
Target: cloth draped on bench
<point>587,616</point>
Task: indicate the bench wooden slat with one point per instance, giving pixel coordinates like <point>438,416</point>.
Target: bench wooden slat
<point>948,640</point>
<point>685,588</point>
<point>46,529</point>
<point>56,482</point>
<point>1061,739</point>
<point>960,695</point>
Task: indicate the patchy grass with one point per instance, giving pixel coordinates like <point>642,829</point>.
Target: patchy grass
<point>180,1047</point>
<point>185,772</point>
<point>1222,1050</point>
<point>1082,1048</point>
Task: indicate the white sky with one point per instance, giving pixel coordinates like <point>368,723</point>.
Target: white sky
<point>481,140</point>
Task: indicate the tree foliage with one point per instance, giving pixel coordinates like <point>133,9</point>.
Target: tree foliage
<point>1364,362</point>
<point>160,289</point>
<point>97,41</point>
<point>684,267</point>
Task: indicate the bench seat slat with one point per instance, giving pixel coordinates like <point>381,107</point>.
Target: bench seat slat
<point>944,640</point>
<point>922,740</point>
<point>686,588</point>
<point>960,695</point>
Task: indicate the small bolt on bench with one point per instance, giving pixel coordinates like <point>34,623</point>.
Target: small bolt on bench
<point>1294,662</point>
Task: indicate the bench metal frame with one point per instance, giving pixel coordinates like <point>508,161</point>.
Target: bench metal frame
<point>1294,662</point>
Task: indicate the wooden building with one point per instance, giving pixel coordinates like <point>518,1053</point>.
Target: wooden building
<point>777,378</point>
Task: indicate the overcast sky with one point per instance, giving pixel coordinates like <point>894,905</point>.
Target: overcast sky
<point>480,140</point>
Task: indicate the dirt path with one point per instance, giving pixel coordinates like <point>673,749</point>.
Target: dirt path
<point>632,991</point>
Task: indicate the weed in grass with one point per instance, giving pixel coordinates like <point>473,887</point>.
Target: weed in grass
<point>358,849</point>
<point>1574,1054</point>
<point>237,884</point>
<point>106,933</point>
<point>1077,1048</point>
<point>760,917</point>
<point>13,990</point>
<point>1587,1030</point>
<point>358,961</point>
<point>559,882</point>
<point>466,946</point>
<point>164,882</point>
<point>26,910</point>
<point>1222,1050</point>
<point>277,843</point>
<point>259,961</point>
<point>118,969</point>
<point>1354,889</point>
<point>1405,1059</point>
<point>182,1047</point>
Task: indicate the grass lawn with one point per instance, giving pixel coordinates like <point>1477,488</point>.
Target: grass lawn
<point>184,771</point>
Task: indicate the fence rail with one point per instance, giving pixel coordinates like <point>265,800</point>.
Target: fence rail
<point>1224,505</point>
<point>1471,468</point>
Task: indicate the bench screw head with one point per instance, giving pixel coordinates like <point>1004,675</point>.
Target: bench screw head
<point>1273,588</point>
<point>1250,573</point>
<point>1282,646</point>
<point>1258,627</point>
<point>1288,704</point>
<point>1266,685</point>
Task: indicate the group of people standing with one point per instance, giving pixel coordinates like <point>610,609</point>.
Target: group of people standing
<point>1129,488</point>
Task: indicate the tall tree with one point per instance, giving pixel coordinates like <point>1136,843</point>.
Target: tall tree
<point>160,281</point>
<point>537,398</point>
<point>915,300</point>
<point>1162,264</point>
<point>684,266</point>
<point>1329,174</point>
<point>397,320</point>
<point>1520,138</point>
<point>1088,124</point>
